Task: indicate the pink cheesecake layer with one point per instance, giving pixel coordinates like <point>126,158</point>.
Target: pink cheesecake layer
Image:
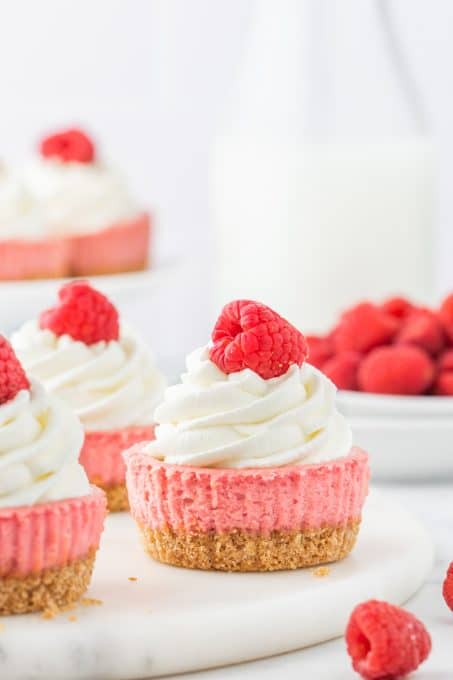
<point>49,535</point>
<point>329,494</point>
<point>101,455</point>
<point>45,258</point>
<point>120,248</point>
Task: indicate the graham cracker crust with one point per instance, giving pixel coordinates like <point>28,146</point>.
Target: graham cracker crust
<point>242,551</point>
<point>52,589</point>
<point>117,499</point>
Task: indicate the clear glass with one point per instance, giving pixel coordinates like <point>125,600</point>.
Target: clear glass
<point>323,175</point>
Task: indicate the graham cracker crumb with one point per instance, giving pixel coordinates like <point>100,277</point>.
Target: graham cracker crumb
<point>132,578</point>
<point>243,551</point>
<point>321,572</point>
<point>49,614</point>
<point>90,602</point>
<point>72,618</point>
<point>50,591</point>
<point>117,499</point>
<point>2,627</point>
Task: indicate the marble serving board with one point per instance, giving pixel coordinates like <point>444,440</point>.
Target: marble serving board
<point>156,620</point>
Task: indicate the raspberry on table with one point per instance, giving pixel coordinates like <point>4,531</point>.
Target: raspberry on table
<point>12,375</point>
<point>83,313</point>
<point>320,349</point>
<point>398,369</point>
<point>364,327</point>
<point>385,642</point>
<point>342,370</point>
<point>447,589</point>
<point>250,335</point>
<point>423,329</point>
<point>68,146</point>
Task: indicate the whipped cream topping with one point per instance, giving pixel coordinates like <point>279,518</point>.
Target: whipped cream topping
<point>240,420</point>
<point>20,217</point>
<point>108,384</point>
<point>40,442</point>
<point>79,197</point>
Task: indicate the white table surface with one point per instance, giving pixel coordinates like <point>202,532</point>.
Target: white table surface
<point>433,504</point>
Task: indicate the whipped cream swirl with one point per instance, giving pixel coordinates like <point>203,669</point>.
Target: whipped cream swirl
<point>240,420</point>
<point>40,442</point>
<point>19,214</point>
<point>108,384</point>
<point>79,197</point>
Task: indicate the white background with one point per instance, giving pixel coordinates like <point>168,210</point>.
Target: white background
<point>150,79</point>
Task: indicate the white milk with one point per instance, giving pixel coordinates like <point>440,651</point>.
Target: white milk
<point>311,229</point>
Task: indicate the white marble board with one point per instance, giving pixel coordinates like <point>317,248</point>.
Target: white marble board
<point>173,620</point>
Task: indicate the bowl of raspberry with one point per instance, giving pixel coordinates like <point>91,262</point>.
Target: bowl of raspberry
<point>393,365</point>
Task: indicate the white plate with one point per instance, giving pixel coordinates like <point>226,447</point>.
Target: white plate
<point>175,620</point>
<point>22,300</point>
<point>408,438</point>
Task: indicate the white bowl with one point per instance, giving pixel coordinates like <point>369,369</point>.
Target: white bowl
<point>407,438</point>
<point>354,404</point>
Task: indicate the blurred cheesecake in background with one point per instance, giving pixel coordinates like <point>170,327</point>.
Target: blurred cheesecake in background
<point>67,213</point>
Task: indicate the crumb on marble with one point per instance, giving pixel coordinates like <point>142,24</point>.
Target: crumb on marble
<point>132,578</point>
<point>72,618</point>
<point>2,627</point>
<point>321,572</point>
<point>90,602</point>
<point>49,613</point>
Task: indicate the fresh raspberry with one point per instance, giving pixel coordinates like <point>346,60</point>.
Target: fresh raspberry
<point>443,385</point>
<point>250,335</point>
<point>12,375</point>
<point>398,307</point>
<point>385,642</point>
<point>68,145</point>
<point>445,362</point>
<point>342,369</point>
<point>447,589</point>
<point>423,329</point>
<point>401,369</point>
<point>364,327</point>
<point>446,316</point>
<point>83,313</point>
<point>320,349</point>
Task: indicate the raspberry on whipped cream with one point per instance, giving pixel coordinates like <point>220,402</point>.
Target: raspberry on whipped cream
<point>69,146</point>
<point>78,197</point>
<point>250,335</point>
<point>83,313</point>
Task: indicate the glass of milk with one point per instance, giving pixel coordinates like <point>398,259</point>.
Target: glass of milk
<point>323,176</point>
